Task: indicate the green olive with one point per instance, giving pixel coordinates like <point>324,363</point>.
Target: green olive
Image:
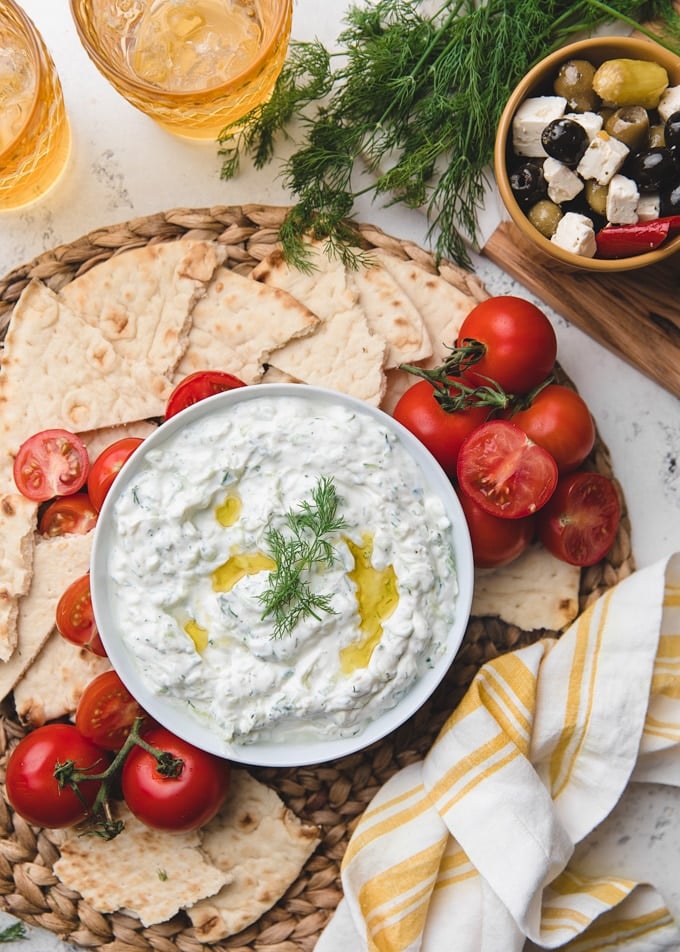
<point>596,196</point>
<point>545,217</point>
<point>630,125</point>
<point>657,136</point>
<point>574,81</point>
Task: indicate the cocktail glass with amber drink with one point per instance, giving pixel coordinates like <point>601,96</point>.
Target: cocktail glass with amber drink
<point>192,65</point>
<point>35,138</point>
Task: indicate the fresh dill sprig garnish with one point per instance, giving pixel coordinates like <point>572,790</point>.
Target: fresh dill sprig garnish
<point>297,551</point>
<point>13,932</point>
<point>414,100</point>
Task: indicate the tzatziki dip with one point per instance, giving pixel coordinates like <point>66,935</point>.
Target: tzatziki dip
<point>192,556</point>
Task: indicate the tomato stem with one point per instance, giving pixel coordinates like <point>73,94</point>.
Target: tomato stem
<point>104,824</point>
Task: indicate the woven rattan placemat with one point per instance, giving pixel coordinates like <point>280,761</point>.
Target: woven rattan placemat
<point>332,795</point>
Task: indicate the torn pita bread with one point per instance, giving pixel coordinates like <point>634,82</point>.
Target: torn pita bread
<point>443,306</point>
<point>55,680</point>
<point>146,872</point>
<point>392,315</point>
<point>141,299</point>
<point>262,846</point>
<point>342,353</point>
<point>535,591</point>
<point>57,562</point>
<point>238,323</point>
<point>98,440</point>
<point>90,385</point>
<point>18,517</point>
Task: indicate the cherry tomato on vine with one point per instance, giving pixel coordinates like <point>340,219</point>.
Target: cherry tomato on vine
<point>559,420</point>
<point>504,472</point>
<point>580,521</point>
<point>198,386</point>
<point>495,541</point>
<point>519,346</point>
<point>106,711</point>
<point>107,466</point>
<point>51,463</point>
<point>440,431</point>
<point>32,788</point>
<point>174,804</point>
<point>68,515</point>
<point>75,619</point>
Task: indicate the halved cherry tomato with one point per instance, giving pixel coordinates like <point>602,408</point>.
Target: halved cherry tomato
<point>580,521</point>
<point>107,466</point>
<point>106,711</point>
<point>440,431</point>
<point>68,515</point>
<point>75,618</point>
<point>31,786</point>
<point>178,803</point>
<point>505,472</point>
<point>518,346</point>
<point>51,463</point>
<point>559,420</point>
<point>495,541</point>
<point>198,386</point>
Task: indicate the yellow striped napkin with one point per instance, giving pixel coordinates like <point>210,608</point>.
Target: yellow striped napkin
<point>470,849</point>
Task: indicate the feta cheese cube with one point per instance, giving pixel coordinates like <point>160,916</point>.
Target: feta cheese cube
<point>622,200</point>
<point>531,118</point>
<point>669,102</point>
<point>648,207</point>
<point>575,233</point>
<point>563,183</point>
<point>591,122</point>
<point>602,159</point>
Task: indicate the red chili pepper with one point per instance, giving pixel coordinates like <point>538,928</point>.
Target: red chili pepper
<point>626,241</point>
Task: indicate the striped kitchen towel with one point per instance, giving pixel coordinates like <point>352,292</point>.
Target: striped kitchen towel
<point>470,849</point>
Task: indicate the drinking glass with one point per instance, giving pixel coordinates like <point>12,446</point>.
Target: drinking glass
<point>35,137</point>
<point>193,66</point>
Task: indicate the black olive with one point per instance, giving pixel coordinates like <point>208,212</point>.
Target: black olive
<point>670,201</point>
<point>672,130</point>
<point>528,183</point>
<point>565,140</point>
<point>652,170</point>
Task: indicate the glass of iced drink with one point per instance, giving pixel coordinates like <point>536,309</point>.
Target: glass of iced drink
<point>192,65</point>
<point>35,138</point>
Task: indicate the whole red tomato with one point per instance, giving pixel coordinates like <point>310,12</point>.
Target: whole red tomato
<point>518,344</point>
<point>75,619</point>
<point>559,420</point>
<point>504,472</point>
<point>51,463</point>
<point>579,523</point>
<point>495,541</point>
<point>107,466</point>
<point>439,430</point>
<point>32,788</point>
<point>106,711</point>
<point>174,804</point>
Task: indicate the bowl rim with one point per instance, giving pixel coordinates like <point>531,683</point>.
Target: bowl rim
<point>297,753</point>
<point>519,93</point>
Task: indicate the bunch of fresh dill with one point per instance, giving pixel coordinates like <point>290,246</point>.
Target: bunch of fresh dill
<point>416,98</point>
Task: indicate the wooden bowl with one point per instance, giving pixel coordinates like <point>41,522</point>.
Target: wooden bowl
<point>538,81</point>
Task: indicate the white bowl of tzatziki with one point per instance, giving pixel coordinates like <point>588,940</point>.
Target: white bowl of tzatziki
<point>281,574</point>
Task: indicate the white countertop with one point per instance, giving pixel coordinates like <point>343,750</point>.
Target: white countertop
<point>123,166</point>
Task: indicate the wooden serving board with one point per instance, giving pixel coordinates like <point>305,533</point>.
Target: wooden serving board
<point>635,314</point>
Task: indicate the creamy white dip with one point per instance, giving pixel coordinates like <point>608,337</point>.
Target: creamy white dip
<point>208,493</point>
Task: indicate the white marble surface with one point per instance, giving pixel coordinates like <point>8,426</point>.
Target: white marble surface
<point>123,166</point>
